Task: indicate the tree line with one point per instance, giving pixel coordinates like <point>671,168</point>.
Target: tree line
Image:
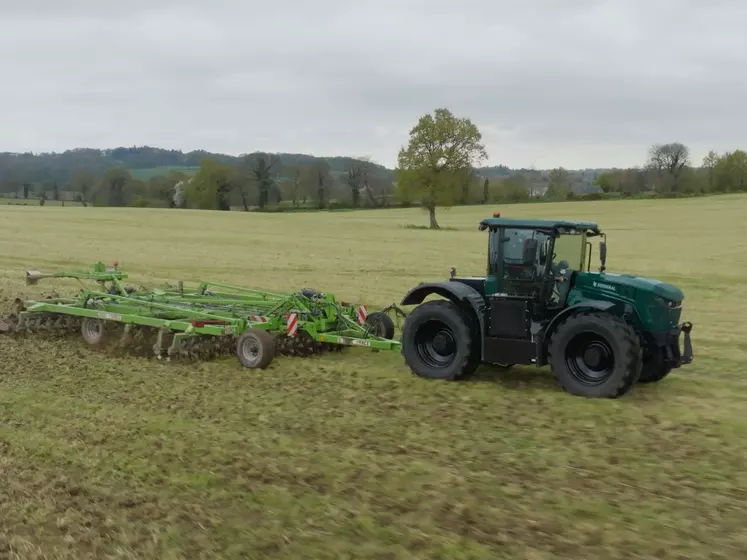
<point>261,181</point>
<point>669,171</point>
<point>255,181</point>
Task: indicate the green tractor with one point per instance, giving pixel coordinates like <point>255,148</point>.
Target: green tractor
<point>541,304</point>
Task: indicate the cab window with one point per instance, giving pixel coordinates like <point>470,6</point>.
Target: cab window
<point>521,272</point>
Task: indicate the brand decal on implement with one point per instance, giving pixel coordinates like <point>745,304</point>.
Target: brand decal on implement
<point>354,341</point>
<point>109,316</point>
<point>604,286</point>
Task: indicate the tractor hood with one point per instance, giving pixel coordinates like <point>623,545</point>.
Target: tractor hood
<point>662,289</point>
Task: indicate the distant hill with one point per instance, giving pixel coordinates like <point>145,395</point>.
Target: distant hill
<point>145,162</point>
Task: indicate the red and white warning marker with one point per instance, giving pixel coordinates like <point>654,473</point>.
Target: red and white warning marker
<point>257,319</point>
<point>362,312</point>
<point>292,324</point>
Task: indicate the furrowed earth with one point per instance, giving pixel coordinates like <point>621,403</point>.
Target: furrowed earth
<point>349,455</point>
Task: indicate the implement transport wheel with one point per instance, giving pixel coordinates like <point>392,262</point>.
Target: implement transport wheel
<point>255,348</point>
<point>595,354</point>
<point>654,368</point>
<point>437,342</point>
<point>382,325</point>
<point>92,331</point>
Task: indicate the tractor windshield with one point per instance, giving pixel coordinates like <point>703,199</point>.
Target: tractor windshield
<point>569,251</point>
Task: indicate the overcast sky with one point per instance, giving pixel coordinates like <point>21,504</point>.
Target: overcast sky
<point>577,83</point>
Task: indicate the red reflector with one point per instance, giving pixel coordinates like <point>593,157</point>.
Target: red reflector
<point>200,324</point>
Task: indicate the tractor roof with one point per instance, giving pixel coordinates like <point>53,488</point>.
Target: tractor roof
<point>538,224</point>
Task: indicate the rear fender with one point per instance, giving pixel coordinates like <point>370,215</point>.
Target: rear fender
<point>459,293</point>
<point>591,304</point>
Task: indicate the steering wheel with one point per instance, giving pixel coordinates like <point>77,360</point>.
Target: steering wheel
<point>558,273</point>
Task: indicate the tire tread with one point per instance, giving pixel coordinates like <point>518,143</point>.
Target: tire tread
<point>266,344</point>
<point>628,337</point>
<point>463,338</point>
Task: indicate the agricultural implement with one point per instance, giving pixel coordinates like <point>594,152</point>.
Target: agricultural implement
<point>202,321</point>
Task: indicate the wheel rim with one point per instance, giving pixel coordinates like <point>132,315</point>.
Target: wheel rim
<point>250,351</point>
<point>377,328</point>
<point>92,330</point>
<point>376,325</point>
<point>590,358</point>
<point>436,344</point>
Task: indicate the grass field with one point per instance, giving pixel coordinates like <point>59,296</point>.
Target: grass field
<point>351,456</point>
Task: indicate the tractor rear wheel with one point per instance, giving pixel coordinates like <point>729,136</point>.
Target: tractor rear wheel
<point>255,348</point>
<point>595,354</point>
<point>437,341</point>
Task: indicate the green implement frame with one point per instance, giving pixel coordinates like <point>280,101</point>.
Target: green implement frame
<point>203,320</point>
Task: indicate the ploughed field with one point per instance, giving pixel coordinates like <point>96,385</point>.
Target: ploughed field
<point>349,455</point>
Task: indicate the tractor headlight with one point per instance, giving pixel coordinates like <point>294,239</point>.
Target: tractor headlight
<point>657,301</point>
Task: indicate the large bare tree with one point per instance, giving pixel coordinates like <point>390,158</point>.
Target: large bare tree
<point>667,161</point>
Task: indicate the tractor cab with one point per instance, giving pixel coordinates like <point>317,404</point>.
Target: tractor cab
<point>535,259</point>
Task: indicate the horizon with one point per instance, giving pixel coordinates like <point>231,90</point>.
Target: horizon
<point>696,162</point>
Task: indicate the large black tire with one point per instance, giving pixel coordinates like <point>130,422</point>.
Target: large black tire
<point>437,342</point>
<point>382,324</point>
<point>475,358</point>
<point>255,348</point>
<point>595,354</point>
<point>654,369</point>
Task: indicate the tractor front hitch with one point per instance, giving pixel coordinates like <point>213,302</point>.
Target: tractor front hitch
<point>670,344</point>
<point>687,354</point>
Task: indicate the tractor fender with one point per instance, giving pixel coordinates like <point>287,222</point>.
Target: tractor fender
<point>555,321</point>
<point>455,291</point>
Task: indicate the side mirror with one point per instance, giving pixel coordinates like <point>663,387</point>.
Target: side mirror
<point>530,251</point>
<point>603,254</point>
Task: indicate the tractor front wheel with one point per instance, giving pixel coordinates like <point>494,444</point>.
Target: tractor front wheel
<point>654,368</point>
<point>595,354</point>
<point>255,348</point>
<point>437,342</point>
